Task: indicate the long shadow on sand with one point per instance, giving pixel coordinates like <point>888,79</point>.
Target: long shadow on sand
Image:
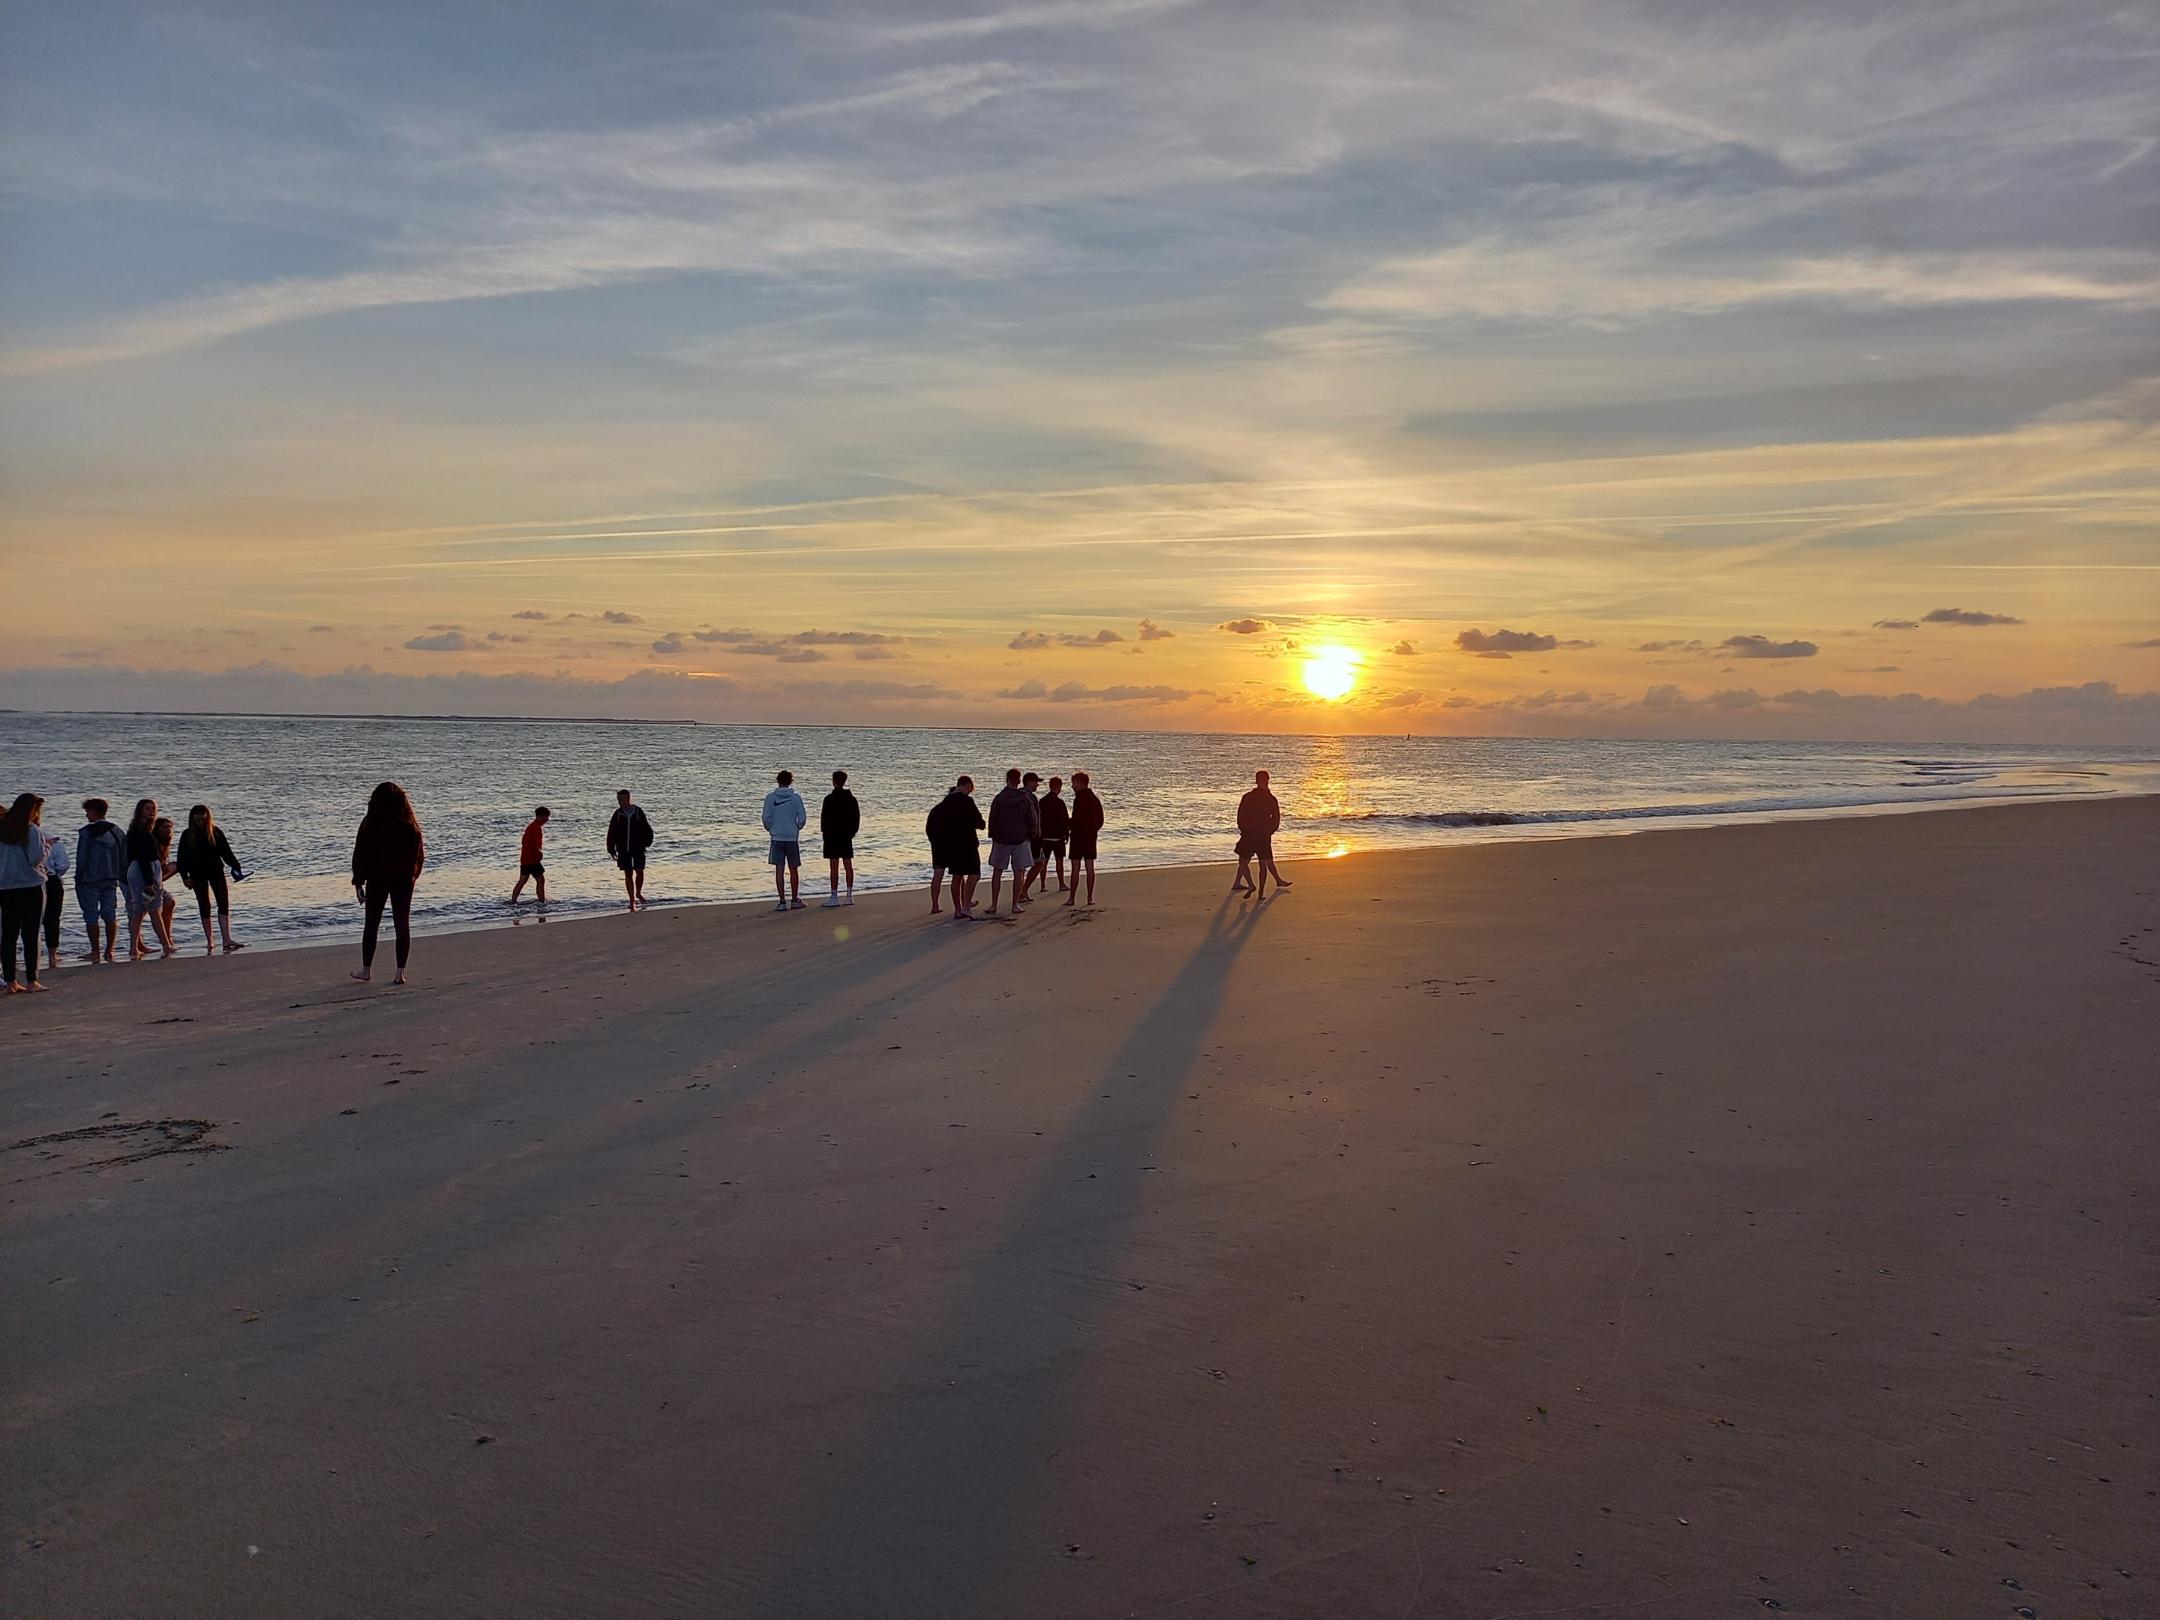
<point>924,1513</point>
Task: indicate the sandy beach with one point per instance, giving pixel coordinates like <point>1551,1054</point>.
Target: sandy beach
<point>1690,1224</point>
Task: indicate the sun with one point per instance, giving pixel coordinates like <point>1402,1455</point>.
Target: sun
<point>1331,672</point>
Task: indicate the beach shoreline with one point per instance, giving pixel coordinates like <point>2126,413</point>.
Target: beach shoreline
<point>1658,1223</point>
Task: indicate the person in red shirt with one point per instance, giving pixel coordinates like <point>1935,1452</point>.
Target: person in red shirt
<point>529,863</point>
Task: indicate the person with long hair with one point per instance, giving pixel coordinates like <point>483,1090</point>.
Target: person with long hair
<point>388,853</point>
<point>22,888</point>
<point>141,876</point>
<point>162,903</point>
<point>56,865</point>
<point>204,856</point>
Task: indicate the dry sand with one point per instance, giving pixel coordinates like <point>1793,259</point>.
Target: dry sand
<point>1688,1224</point>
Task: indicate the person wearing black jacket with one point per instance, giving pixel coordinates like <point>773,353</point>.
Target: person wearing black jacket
<point>629,836</point>
<point>951,827</point>
<point>1015,824</point>
<point>1052,811</point>
<point>839,819</point>
<point>1087,820</point>
<point>203,856</point>
<point>1259,818</point>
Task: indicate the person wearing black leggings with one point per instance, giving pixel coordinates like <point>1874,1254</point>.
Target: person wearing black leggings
<point>22,888</point>
<point>388,853</point>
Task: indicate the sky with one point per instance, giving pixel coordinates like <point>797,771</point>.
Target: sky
<point>1558,367</point>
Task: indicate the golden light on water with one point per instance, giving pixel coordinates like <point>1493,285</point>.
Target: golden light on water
<point>1331,672</point>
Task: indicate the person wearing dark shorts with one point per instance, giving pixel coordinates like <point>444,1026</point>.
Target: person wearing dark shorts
<point>1056,818</point>
<point>951,827</point>
<point>532,868</point>
<point>839,819</point>
<point>1087,820</point>
<point>1259,818</point>
<point>629,836</point>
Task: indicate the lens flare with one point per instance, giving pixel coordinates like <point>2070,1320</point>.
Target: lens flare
<point>1332,672</point>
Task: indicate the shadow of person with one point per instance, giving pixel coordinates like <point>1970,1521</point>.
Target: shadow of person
<point>924,1513</point>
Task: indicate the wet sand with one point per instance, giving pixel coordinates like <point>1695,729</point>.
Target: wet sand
<point>1698,1223</point>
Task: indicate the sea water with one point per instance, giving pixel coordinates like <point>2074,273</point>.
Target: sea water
<point>289,792</point>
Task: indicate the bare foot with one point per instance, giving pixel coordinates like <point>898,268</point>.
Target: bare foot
<point>400,979</point>
<point>35,986</point>
<point>236,944</point>
<point>363,975</point>
<point>13,988</point>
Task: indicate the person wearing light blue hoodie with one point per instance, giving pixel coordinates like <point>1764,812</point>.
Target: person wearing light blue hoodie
<point>785,815</point>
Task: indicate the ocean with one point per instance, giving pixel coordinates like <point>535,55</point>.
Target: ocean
<point>290,790</point>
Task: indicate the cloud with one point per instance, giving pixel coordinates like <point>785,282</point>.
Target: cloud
<point>616,616</point>
<point>727,636</point>
<point>801,655</point>
<point>446,641</point>
<point>508,636</point>
<point>1245,627</point>
<point>1897,624</point>
<point>1968,616</point>
<point>2138,646</point>
<point>878,655</point>
<point>1036,640</point>
<point>321,629</point>
<point>1077,692</point>
<point>1151,631</point>
<point>1079,14</point>
<point>1764,647</point>
<point>1029,641</point>
<point>528,613</point>
<point>1403,649</point>
<point>1881,669</point>
<point>843,638</point>
<point>668,645</point>
<point>1669,647</point>
<point>1503,643</point>
<point>1406,699</point>
<point>865,691</point>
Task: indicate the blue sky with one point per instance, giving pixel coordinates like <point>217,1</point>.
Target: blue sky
<point>1619,326</point>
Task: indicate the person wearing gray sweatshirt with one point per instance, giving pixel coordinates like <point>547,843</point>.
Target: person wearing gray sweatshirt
<point>785,815</point>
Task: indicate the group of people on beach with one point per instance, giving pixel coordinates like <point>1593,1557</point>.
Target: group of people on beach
<point>110,865</point>
<point>1031,834</point>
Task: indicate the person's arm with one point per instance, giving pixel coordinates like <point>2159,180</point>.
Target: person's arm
<point>224,849</point>
<point>1274,815</point>
<point>359,851</point>
<point>802,815</point>
<point>614,822</point>
<point>419,856</point>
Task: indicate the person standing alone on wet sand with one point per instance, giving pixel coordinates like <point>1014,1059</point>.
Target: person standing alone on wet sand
<point>532,865</point>
<point>629,836</point>
<point>387,855</point>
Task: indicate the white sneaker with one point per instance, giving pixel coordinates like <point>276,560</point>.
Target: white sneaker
<point>831,900</point>
<point>850,900</point>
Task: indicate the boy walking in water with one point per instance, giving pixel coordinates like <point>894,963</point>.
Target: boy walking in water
<point>629,836</point>
<point>839,818</point>
<point>784,816</point>
<point>530,866</point>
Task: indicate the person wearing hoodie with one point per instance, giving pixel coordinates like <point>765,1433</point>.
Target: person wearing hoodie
<point>1015,824</point>
<point>629,836</point>
<point>951,827</point>
<point>839,819</point>
<point>1087,820</point>
<point>785,815</point>
<point>204,856</point>
<point>1056,818</point>
<point>100,864</point>
<point>22,888</point>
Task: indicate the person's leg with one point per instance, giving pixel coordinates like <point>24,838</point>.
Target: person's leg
<point>162,923</point>
<point>1281,882</point>
<point>937,887</point>
<point>540,887</point>
<point>629,888</point>
<point>518,887</point>
<point>832,874</point>
<point>997,885</point>
<point>849,862</point>
<point>794,874</point>
<point>369,929</point>
<point>11,930</point>
<point>640,875</point>
<point>223,893</point>
<point>779,883</point>
<point>86,898</point>
<point>203,900</point>
<point>401,918</point>
<point>1091,880</point>
<point>55,892</point>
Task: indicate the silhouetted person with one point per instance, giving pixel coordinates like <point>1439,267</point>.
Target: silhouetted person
<point>1014,827</point>
<point>1056,819</point>
<point>387,855</point>
<point>629,836</point>
<point>951,827</point>
<point>1259,817</point>
<point>839,819</point>
<point>1087,821</point>
<point>204,858</point>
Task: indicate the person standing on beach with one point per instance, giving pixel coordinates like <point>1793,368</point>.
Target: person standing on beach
<point>1056,821</point>
<point>784,816</point>
<point>1014,827</point>
<point>56,865</point>
<point>141,874</point>
<point>387,855</point>
<point>531,866</point>
<point>951,826</point>
<point>629,836</point>
<point>839,819</point>
<point>1087,820</point>
<point>100,863</point>
<point>1259,817</point>
<point>22,888</point>
<point>163,905</point>
<point>204,857</point>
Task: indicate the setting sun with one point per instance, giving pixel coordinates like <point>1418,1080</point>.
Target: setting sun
<point>1332,672</point>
